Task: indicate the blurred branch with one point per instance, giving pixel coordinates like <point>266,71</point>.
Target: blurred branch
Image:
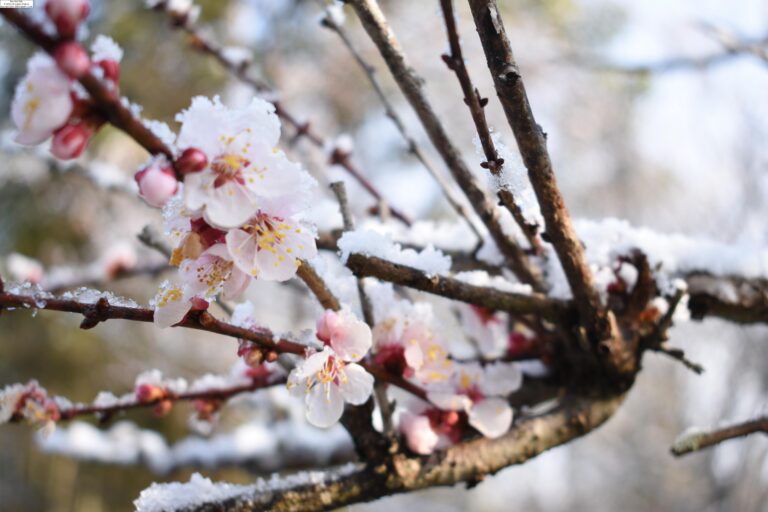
<point>106,99</point>
<point>242,72</point>
<point>733,298</point>
<point>413,147</point>
<point>468,462</point>
<point>533,147</point>
<point>90,277</point>
<point>411,84</point>
<point>476,103</point>
<point>689,442</point>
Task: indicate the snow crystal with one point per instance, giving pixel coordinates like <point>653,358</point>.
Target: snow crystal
<point>429,260</point>
<point>155,378</point>
<point>162,131</point>
<point>105,48</point>
<point>174,496</point>
<point>482,278</point>
<point>90,296</point>
<point>335,13</point>
<point>237,56</point>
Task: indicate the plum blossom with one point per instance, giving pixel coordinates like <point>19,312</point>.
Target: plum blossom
<point>67,15</point>
<point>487,329</point>
<point>420,437</point>
<point>172,303</point>
<point>212,273</point>
<point>31,402</point>
<point>245,172</point>
<point>42,102</point>
<point>270,247</point>
<point>157,182</point>
<point>329,378</point>
<point>478,390</point>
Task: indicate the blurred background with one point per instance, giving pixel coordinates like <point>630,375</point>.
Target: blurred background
<point>678,148</point>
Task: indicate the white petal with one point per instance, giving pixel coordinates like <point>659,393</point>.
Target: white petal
<point>492,417</point>
<point>325,405</point>
<point>230,205</point>
<point>500,379</point>
<point>358,386</point>
<point>418,432</point>
<point>449,401</point>
<point>242,248</point>
<point>171,306</point>
<point>356,340</point>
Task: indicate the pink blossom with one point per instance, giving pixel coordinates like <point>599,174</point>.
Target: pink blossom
<point>419,434</point>
<point>157,183</point>
<point>270,247</point>
<point>42,102</point>
<point>212,273</point>
<point>349,337</point>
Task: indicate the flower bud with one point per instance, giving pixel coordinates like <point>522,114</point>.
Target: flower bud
<point>146,393</point>
<point>111,69</point>
<point>157,184</point>
<point>191,160</point>
<point>70,140</point>
<point>72,59</point>
<point>162,408</point>
<point>67,15</point>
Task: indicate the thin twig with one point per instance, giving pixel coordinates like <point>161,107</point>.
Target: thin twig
<point>533,148</point>
<point>102,311</point>
<point>411,84</point>
<point>476,103</point>
<point>317,285</point>
<point>453,199</point>
<point>689,442</point>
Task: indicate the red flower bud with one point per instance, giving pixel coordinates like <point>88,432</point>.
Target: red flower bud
<point>111,69</point>
<point>146,393</point>
<point>67,15</point>
<point>72,59</point>
<point>191,160</point>
<point>157,184</point>
<point>162,408</point>
<point>70,140</point>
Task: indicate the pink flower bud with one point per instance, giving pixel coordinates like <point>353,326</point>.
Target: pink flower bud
<point>191,160</point>
<point>72,59</point>
<point>157,184</point>
<point>146,393</point>
<point>111,69</point>
<point>67,15</point>
<point>69,141</point>
<point>162,408</point>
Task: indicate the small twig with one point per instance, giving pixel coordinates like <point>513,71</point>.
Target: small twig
<point>679,354</point>
<point>413,147</point>
<point>689,442</point>
<point>365,304</point>
<point>317,285</point>
<point>154,240</point>
<point>476,103</point>
<point>412,86</point>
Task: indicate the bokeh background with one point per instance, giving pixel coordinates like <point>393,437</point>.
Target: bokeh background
<point>681,150</point>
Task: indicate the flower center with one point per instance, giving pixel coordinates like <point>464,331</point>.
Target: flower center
<point>269,232</point>
<point>229,167</point>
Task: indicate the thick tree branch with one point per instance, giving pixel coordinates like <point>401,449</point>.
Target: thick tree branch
<point>490,298</point>
<point>732,298</point>
<point>532,144</point>
<point>689,442</point>
<point>411,84</point>
<point>468,462</point>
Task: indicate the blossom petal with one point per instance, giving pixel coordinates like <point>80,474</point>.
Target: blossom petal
<point>325,405</point>
<point>358,386</point>
<point>492,417</point>
<point>449,401</point>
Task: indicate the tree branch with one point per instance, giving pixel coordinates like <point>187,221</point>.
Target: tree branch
<point>476,104</point>
<point>411,84</point>
<point>491,298</point>
<point>468,462</point>
<point>689,442</point>
<point>532,144</point>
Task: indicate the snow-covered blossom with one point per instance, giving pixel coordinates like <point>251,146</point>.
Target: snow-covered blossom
<point>330,378</point>
<point>105,48</point>
<point>25,269</point>
<point>30,402</point>
<point>245,172</point>
<point>42,102</point>
<point>270,247</point>
<point>172,303</point>
<point>478,391</point>
<point>157,182</point>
